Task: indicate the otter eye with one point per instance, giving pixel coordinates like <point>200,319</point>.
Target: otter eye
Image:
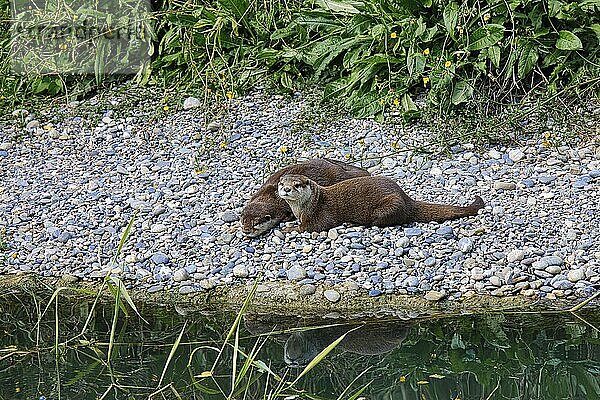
<point>298,185</point>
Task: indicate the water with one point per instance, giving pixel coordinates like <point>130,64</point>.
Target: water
<point>501,356</point>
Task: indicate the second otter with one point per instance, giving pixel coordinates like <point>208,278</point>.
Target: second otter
<point>369,201</point>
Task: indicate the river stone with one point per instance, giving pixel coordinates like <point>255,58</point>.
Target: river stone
<point>191,102</point>
<point>307,289</point>
<point>240,271</point>
<point>332,234</point>
<point>159,258</point>
<point>515,255</point>
<point>6,146</point>
<point>181,275</point>
<point>465,245</point>
<point>552,260</point>
<point>576,275</point>
<point>553,269</point>
<point>516,155</point>
<point>434,295</point>
<point>504,185</point>
<point>332,295</point>
<point>296,273</point>
<point>496,281</point>
<point>229,216</point>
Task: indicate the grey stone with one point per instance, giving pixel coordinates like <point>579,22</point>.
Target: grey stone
<point>307,289</point>
<point>332,295</point>
<point>515,255</point>
<point>576,275</point>
<point>465,245</point>
<point>296,273</point>
<point>240,271</point>
<point>499,185</point>
<point>229,216</point>
<point>181,275</point>
<point>159,258</point>
<point>434,295</point>
<point>191,102</point>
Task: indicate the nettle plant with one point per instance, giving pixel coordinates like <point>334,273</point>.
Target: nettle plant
<point>378,54</point>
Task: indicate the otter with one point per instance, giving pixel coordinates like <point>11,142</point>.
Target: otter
<point>266,209</point>
<point>369,201</point>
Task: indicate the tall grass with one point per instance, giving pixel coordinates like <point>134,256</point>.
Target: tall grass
<point>371,56</point>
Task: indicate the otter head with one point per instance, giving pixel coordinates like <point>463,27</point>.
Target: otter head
<point>295,188</point>
<point>256,219</point>
<point>300,348</point>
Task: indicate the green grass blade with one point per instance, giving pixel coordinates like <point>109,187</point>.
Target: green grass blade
<point>125,235</point>
<point>359,391</point>
<point>113,327</point>
<point>172,353</point>
<point>237,321</point>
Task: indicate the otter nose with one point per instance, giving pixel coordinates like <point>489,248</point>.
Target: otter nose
<point>286,189</point>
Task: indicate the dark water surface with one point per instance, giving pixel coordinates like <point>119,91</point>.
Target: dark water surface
<point>498,356</point>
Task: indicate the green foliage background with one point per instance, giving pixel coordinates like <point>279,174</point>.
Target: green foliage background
<point>370,55</point>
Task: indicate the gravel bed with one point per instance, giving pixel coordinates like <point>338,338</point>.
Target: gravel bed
<point>72,178</point>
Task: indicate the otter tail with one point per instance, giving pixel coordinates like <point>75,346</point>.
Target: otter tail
<point>426,212</point>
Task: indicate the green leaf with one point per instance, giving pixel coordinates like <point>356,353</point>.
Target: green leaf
<point>462,92</point>
<point>567,40</point>
<point>236,7</point>
<point>340,7</point>
<point>596,29</point>
<point>450,17</point>
<point>407,103</point>
<point>527,59</point>
<point>494,55</point>
<point>486,36</point>
<point>367,105</point>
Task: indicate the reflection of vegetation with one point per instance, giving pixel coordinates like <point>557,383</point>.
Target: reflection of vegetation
<point>496,357</point>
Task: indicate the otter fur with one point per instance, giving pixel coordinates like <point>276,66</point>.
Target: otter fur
<point>368,201</point>
<point>266,209</point>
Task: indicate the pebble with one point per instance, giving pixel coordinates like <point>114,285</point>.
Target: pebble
<point>516,155</point>
<point>375,292</point>
<point>159,258</point>
<point>465,245</point>
<point>332,295</point>
<point>240,271</point>
<point>191,102</point>
<point>296,273</point>
<point>229,216</point>
<point>505,185</point>
<point>181,275</point>
<point>576,275</point>
<point>6,146</point>
<point>332,234</point>
<point>411,232</point>
<point>515,255</point>
<point>434,295</point>
<point>307,289</point>
<point>214,126</point>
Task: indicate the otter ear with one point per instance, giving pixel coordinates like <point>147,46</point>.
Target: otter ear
<point>268,216</point>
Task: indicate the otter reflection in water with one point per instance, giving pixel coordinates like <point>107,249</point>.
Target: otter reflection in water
<point>302,346</point>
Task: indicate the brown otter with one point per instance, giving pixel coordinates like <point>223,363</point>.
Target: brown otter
<point>370,201</point>
<point>266,209</point>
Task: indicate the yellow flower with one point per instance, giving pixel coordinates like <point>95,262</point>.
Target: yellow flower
<point>222,145</point>
<point>486,17</point>
<point>62,46</point>
<point>393,35</point>
<point>396,102</point>
<point>166,108</point>
<point>447,64</point>
<point>283,149</point>
<point>402,378</point>
<point>208,90</point>
<point>395,145</point>
<point>361,142</point>
<point>425,80</point>
<point>426,51</point>
<point>229,95</point>
<point>382,102</point>
<point>347,156</point>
